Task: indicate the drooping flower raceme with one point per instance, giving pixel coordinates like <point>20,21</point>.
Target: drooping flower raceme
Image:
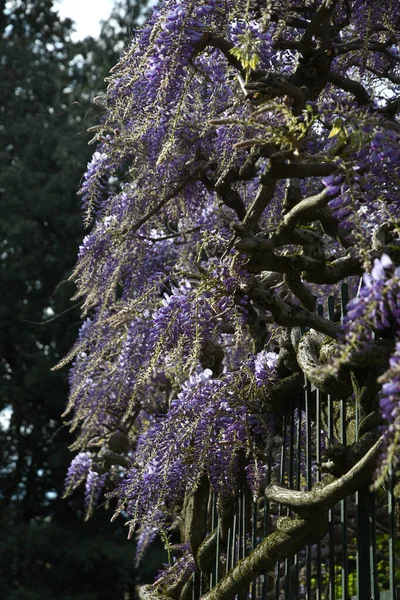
<point>78,471</point>
<point>377,308</point>
<point>207,429</point>
<point>375,313</point>
<point>390,409</point>
<point>247,161</point>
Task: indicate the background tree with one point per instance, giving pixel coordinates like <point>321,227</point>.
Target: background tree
<point>247,165</point>
<point>48,83</point>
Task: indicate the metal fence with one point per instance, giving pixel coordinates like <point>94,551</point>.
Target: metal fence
<point>360,555</point>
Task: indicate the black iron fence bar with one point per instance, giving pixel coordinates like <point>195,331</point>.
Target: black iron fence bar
<point>363,578</point>
<point>289,562</point>
<point>218,550</point>
<point>392,533</point>
<point>298,467</point>
<point>331,533</point>
<point>213,525</point>
<point>326,571</point>
<point>318,458</point>
<point>343,503</point>
<point>266,519</point>
<point>282,482</point>
<point>318,594</point>
<point>228,549</point>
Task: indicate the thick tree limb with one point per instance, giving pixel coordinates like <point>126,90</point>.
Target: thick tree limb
<point>231,198</point>
<point>266,86</point>
<point>195,515</point>
<point>302,212</point>
<point>222,44</point>
<point>324,497</point>
<point>308,357</point>
<point>289,315</point>
<point>149,592</point>
<point>314,351</point>
<point>320,19</point>
<point>290,537</point>
<point>392,107</point>
<point>284,236</point>
<point>374,354</point>
<point>301,291</point>
<point>300,170</point>
<point>312,270</point>
<point>350,85</point>
<point>264,196</point>
<point>293,534</point>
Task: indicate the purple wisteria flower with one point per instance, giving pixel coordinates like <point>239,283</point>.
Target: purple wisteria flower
<point>183,313</point>
<point>207,429</point>
<point>179,570</point>
<point>376,312</point>
<point>94,183</point>
<point>93,487</point>
<point>146,536</point>
<point>77,472</point>
<point>390,410</point>
<point>224,122</point>
<point>265,367</point>
<point>377,308</point>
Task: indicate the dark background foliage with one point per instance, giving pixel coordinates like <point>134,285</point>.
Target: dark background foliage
<point>47,87</point>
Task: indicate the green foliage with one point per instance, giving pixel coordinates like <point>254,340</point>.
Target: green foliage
<point>48,85</point>
<point>48,559</point>
<point>247,52</point>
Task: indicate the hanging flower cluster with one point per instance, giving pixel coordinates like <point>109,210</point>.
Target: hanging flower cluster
<point>210,428</point>
<point>79,471</point>
<point>247,161</point>
<point>377,312</point>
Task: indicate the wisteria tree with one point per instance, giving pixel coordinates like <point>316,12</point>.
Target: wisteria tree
<point>246,165</point>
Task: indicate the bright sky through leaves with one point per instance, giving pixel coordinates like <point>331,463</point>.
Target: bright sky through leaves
<point>86,15</point>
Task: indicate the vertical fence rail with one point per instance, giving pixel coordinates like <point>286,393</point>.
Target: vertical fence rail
<point>391,538</point>
<point>357,559</point>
